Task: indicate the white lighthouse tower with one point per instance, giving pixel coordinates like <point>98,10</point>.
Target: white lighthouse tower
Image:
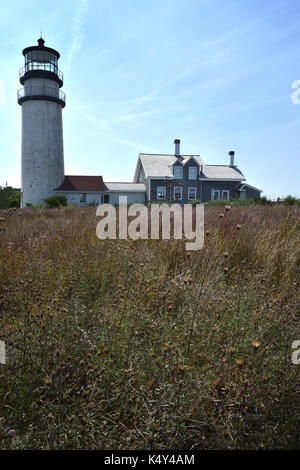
<point>42,133</point>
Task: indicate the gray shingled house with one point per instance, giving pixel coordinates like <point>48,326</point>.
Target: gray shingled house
<point>183,178</point>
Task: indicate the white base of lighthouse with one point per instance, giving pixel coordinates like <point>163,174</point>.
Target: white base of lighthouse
<point>42,150</point>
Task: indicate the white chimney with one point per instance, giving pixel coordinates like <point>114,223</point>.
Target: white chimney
<point>231,154</point>
<point>177,147</point>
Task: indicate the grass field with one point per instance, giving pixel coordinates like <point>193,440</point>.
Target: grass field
<point>144,345</point>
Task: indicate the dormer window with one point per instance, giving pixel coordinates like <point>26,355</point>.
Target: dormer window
<point>193,173</point>
<point>178,172</point>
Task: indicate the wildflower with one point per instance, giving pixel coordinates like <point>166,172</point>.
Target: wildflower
<point>132,398</point>
<point>225,270</point>
<point>238,226</point>
<point>227,208</point>
<point>226,254</point>
<point>47,381</point>
<point>255,344</point>
<point>221,216</point>
<point>156,427</point>
<point>197,384</point>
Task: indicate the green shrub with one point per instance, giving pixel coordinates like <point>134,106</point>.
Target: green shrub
<point>218,202</point>
<point>9,197</point>
<point>289,200</point>
<point>56,201</point>
<point>262,200</point>
<point>195,202</point>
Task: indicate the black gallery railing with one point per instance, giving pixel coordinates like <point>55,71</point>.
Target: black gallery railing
<point>47,66</point>
<point>41,91</point>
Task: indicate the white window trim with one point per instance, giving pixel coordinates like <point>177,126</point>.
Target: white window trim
<point>192,198</point>
<point>164,191</point>
<point>179,198</point>
<point>227,192</point>
<point>181,172</point>
<point>190,168</point>
<point>212,194</point>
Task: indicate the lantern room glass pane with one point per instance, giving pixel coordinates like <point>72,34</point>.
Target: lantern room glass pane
<point>40,60</point>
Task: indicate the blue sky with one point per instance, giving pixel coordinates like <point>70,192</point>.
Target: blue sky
<point>137,74</point>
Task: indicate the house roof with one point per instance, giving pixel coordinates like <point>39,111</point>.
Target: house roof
<point>249,186</point>
<point>156,165</point>
<point>136,187</point>
<point>82,183</point>
<point>159,165</point>
<point>222,172</point>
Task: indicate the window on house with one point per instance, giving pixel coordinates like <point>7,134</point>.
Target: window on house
<point>106,198</point>
<point>161,192</point>
<point>177,193</point>
<point>192,193</point>
<point>178,172</point>
<point>83,197</point>
<point>193,172</point>
<point>225,194</point>
<point>215,194</point>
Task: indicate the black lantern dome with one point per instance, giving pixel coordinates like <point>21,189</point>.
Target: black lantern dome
<point>41,62</point>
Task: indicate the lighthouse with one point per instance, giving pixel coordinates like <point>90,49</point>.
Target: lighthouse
<point>42,101</point>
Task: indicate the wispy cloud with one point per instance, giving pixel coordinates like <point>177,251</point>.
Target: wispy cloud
<point>133,116</point>
<point>78,28</point>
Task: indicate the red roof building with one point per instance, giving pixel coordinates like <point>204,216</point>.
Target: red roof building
<point>82,183</point>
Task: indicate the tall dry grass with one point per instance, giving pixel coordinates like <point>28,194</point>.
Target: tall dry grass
<point>143,345</point>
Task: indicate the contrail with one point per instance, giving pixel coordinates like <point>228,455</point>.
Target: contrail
<point>78,29</point>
